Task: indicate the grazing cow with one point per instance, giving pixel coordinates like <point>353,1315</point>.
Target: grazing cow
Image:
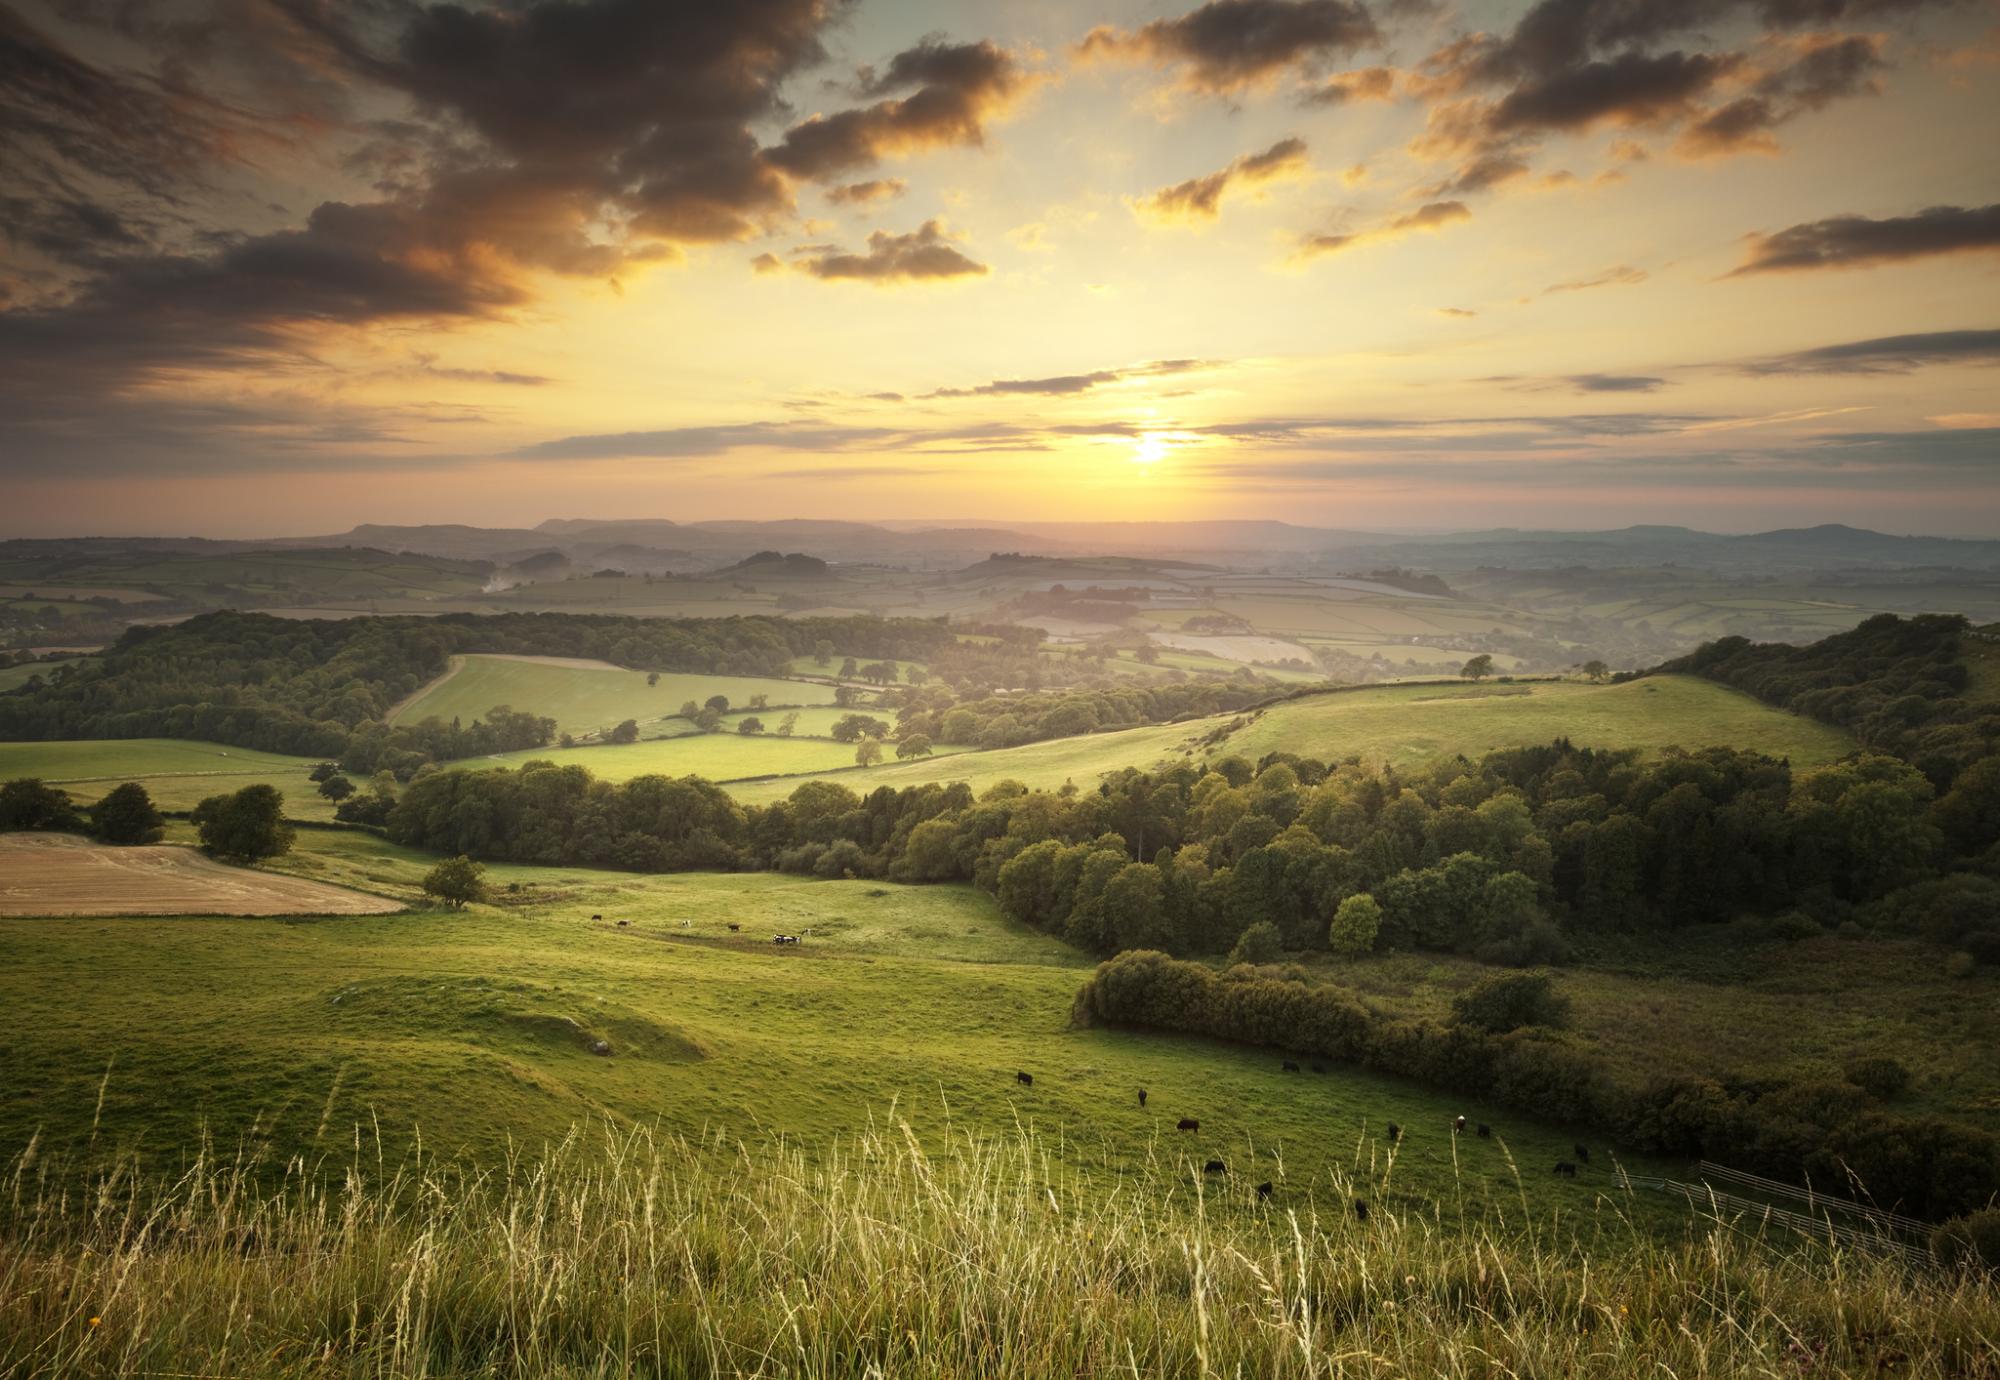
<point>1565,1169</point>
<point>623,924</point>
<point>1026,1080</point>
<point>1360,1211</point>
<point>1215,1167</point>
<point>784,939</point>
<point>1458,1125</point>
<point>597,917</point>
<point>1290,1066</point>
<point>1395,1133</point>
<point>1319,1068</point>
<point>1188,1123</point>
<point>1142,1097</point>
<point>1582,1153</point>
<point>1485,1131</point>
<point>1264,1191</point>
<point>734,928</point>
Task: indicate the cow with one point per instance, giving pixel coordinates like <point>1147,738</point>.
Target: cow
<point>1360,1211</point>
<point>1565,1169</point>
<point>1188,1123</point>
<point>1142,1097</point>
<point>784,939</point>
<point>622,924</point>
<point>1215,1167</point>
<point>1290,1066</point>
<point>1485,1131</point>
<point>734,928</point>
<point>1395,1133</point>
<point>1264,1191</point>
<point>1582,1153</point>
<point>597,917</point>
<point>1026,1080</point>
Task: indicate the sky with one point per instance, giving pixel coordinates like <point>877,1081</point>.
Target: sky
<point>278,267</point>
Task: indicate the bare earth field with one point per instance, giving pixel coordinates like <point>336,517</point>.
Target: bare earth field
<point>52,874</point>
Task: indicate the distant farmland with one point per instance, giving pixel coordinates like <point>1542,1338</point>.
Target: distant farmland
<point>178,774</point>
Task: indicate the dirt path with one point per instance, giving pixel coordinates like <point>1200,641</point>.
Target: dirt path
<point>58,874</point>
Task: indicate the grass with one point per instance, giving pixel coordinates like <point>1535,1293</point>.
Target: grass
<point>13,677</point>
<point>178,774</point>
<point>583,697</point>
<point>653,1254</point>
<point>717,756</point>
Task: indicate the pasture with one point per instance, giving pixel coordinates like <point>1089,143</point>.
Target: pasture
<point>13,677</point>
<point>177,773</point>
<point>57,874</point>
<point>583,696</point>
<point>717,756</point>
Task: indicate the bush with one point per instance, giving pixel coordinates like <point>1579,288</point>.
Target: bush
<point>1970,1240</point>
<point>1879,1076</point>
<point>245,826</point>
<point>1794,926</point>
<point>31,803</point>
<point>1355,925</point>
<point>1500,1004</point>
<point>127,815</point>
<point>1258,944</point>
<point>456,882</point>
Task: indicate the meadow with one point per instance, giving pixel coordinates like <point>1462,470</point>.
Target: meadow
<point>584,696</point>
<point>177,773</point>
<point>14,677</point>
<point>718,756</point>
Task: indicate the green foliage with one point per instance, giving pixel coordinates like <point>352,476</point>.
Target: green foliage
<point>1969,1241</point>
<point>336,788</point>
<point>1500,1004</point>
<point>1881,1076</point>
<point>750,726</point>
<point>30,803</point>
<point>245,826</point>
<point>1260,943</point>
<point>626,731</point>
<point>126,815</point>
<point>456,882</point>
<point>1356,922</point>
<point>1478,668</point>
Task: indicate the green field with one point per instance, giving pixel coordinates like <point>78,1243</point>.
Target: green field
<point>1398,724</point>
<point>14,676</point>
<point>717,756</point>
<point>920,1003</point>
<point>584,697</point>
<point>176,773</point>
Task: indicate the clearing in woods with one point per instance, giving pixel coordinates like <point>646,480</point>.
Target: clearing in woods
<point>584,696</point>
<point>59,874</point>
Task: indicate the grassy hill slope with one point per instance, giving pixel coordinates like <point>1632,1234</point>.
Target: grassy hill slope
<point>175,772</point>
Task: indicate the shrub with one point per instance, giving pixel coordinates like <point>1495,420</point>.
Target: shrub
<point>456,882</point>
<point>1794,926</point>
<point>1258,944</point>
<point>126,815</point>
<point>1880,1076</point>
<point>31,803</point>
<point>1970,1240</point>
<point>1500,1004</point>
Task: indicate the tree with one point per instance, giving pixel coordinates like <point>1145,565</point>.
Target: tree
<point>652,679</point>
<point>707,719</point>
<point>456,882</point>
<point>869,752</point>
<point>719,703</point>
<point>822,653</point>
<point>913,745</point>
<point>847,669</point>
<point>626,732</point>
<point>1148,654</point>
<point>787,724</point>
<point>1356,922</point>
<point>1260,943</point>
<point>760,701</point>
<point>853,727</point>
<point>30,803</point>
<point>1596,670</point>
<point>1479,668</point>
<point>322,771</point>
<point>336,788</point>
<point>126,815</point>
<point>749,726</point>
<point>245,826</point>
<point>1500,1004</point>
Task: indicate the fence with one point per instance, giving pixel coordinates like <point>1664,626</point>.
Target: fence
<point>1819,1202</point>
<point>1873,1237</point>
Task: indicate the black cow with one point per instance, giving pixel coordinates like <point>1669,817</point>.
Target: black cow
<point>1360,1211</point>
<point>1395,1133</point>
<point>734,928</point>
<point>623,923</point>
<point>1565,1169</point>
<point>1582,1153</point>
<point>1188,1123</point>
<point>1290,1066</point>
<point>1264,1191</point>
<point>1215,1167</point>
<point>1142,1097</point>
<point>597,917</point>
<point>1026,1080</point>
<point>1485,1131</point>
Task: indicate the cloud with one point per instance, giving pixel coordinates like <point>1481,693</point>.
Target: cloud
<point>1822,68</point>
<point>1615,383</point>
<point>1229,45</point>
<point>1857,241</point>
<point>1200,198</point>
<point>1622,276</point>
<point>1363,84</point>
<point>1431,216</point>
<point>867,193</point>
<point>697,442</point>
<point>1464,313</point>
<point>925,253</point>
<point>1890,354</point>
<point>1063,385</point>
<point>953,90</point>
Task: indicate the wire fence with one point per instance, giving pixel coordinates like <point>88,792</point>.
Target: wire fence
<point>1871,1236</point>
<point>1818,1202</point>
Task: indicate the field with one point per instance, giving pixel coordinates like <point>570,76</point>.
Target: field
<point>177,773</point>
<point>12,677</point>
<point>1397,724</point>
<point>53,874</point>
<point>583,696</point>
<point>717,756</point>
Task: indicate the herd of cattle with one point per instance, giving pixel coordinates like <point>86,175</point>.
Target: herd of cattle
<point>1565,1169</point>
<point>733,929</point>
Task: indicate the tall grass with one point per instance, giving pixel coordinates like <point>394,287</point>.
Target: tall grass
<point>621,1253</point>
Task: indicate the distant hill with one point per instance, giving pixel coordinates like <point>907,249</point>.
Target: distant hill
<point>777,565</point>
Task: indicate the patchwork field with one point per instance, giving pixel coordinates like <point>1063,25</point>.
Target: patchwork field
<point>178,774</point>
<point>56,874</point>
<point>584,696</point>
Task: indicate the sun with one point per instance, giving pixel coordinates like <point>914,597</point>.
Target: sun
<point>1150,450</point>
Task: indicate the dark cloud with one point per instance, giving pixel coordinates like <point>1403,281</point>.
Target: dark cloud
<point>1852,241</point>
<point>1615,383</point>
<point>695,442</point>
<point>1823,69</point>
<point>1890,354</point>
<point>1061,385</point>
<point>1364,84</point>
<point>1227,45</point>
<point>1630,89</point>
<point>1622,276</point>
<point>867,193</point>
<point>1200,198</point>
<point>924,254</point>
<point>1433,215</point>
<point>953,89</point>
